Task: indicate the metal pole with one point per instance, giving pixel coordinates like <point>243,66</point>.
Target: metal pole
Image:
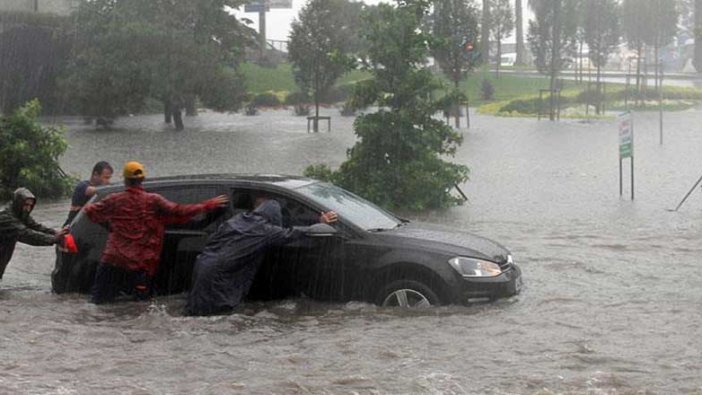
<point>660,104</point>
<point>621,176</point>
<point>632,176</point>
<point>262,28</point>
<point>632,156</point>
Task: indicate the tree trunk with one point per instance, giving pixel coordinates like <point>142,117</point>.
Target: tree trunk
<point>190,106</point>
<point>657,65</point>
<point>555,55</point>
<point>599,91</point>
<point>316,103</point>
<point>638,71</point>
<point>178,118</point>
<point>457,108</point>
<point>697,60</point>
<point>499,54</point>
<point>167,111</point>
<point>485,33</point>
<point>521,52</point>
<point>579,63</point>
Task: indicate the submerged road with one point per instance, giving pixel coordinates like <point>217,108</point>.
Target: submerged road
<point>611,303</point>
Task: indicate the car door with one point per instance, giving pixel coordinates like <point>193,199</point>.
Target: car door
<point>316,264</point>
<point>183,242</point>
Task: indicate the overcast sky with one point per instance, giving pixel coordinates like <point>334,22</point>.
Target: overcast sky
<point>278,20</point>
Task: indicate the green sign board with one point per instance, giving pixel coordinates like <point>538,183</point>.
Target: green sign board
<point>626,136</point>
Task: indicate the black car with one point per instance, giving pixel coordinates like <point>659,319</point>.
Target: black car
<point>368,255</point>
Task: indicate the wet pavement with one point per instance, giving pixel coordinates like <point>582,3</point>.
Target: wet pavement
<point>612,294</point>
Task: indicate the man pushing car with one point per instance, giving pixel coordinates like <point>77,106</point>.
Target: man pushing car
<point>224,271</point>
<point>136,221</point>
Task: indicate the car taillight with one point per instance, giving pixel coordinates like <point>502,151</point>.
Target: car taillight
<point>69,243</point>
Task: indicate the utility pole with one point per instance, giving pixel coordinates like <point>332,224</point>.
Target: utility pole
<point>262,27</point>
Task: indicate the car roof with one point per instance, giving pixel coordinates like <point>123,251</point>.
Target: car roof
<point>283,181</point>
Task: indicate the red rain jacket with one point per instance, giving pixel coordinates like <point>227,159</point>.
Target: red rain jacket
<point>137,222</point>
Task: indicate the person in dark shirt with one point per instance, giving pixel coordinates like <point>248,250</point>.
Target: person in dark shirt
<point>101,175</point>
<point>16,224</point>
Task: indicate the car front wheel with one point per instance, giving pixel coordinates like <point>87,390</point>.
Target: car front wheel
<point>408,294</point>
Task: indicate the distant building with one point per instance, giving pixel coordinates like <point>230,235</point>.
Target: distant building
<point>59,7</point>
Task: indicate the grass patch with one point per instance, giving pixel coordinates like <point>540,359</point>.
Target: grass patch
<point>514,96</point>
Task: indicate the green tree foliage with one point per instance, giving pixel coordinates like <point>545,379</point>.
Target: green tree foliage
<point>397,160</point>
<point>34,49</point>
<point>519,20</point>
<point>171,50</point>
<point>602,33</point>
<point>552,38</point>
<point>455,26</point>
<point>485,21</point>
<point>648,22</point>
<point>319,44</point>
<point>29,154</point>
<point>697,61</point>
<point>501,26</point>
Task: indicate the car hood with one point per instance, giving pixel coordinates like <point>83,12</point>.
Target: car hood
<point>449,240</point>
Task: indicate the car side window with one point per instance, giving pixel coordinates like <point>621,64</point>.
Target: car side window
<point>191,194</point>
<point>294,213</point>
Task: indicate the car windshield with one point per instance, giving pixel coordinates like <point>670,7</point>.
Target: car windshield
<point>357,210</point>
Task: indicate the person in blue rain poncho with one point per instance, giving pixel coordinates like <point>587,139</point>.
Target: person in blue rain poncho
<point>224,271</point>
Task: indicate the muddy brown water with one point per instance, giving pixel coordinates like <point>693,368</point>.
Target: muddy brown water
<point>611,303</point>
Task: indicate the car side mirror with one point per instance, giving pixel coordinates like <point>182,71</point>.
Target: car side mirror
<point>321,230</point>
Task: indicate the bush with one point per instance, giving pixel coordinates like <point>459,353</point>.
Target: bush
<point>266,99</point>
<point>487,90</point>
<point>591,97</point>
<point>320,172</point>
<point>29,154</point>
<point>250,109</point>
<point>337,94</point>
<point>302,109</point>
<point>297,98</point>
<point>523,106</point>
<point>347,110</point>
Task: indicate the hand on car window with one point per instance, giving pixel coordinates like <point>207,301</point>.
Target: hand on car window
<point>328,217</point>
<point>221,200</point>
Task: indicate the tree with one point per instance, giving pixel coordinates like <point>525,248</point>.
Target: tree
<point>648,22</point>
<point>34,50</point>
<point>171,50</point>
<point>552,39</point>
<point>519,21</point>
<point>502,23</point>
<point>455,25</point>
<point>485,32</point>
<point>698,36</point>
<point>319,43</point>
<point>663,18</point>
<point>397,159</point>
<point>29,154</point>
<point>601,29</point>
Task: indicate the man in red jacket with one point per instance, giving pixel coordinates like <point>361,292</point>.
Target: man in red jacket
<point>136,220</point>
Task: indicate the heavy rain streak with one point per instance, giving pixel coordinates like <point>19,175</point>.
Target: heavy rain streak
<point>611,296</point>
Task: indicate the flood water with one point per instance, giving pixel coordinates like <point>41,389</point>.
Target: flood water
<point>611,305</point>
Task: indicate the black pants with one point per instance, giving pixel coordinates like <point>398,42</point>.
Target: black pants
<point>111,281</point>
<point>6,250</point>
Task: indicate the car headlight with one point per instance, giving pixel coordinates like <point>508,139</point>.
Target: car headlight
<point>471,267</point>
